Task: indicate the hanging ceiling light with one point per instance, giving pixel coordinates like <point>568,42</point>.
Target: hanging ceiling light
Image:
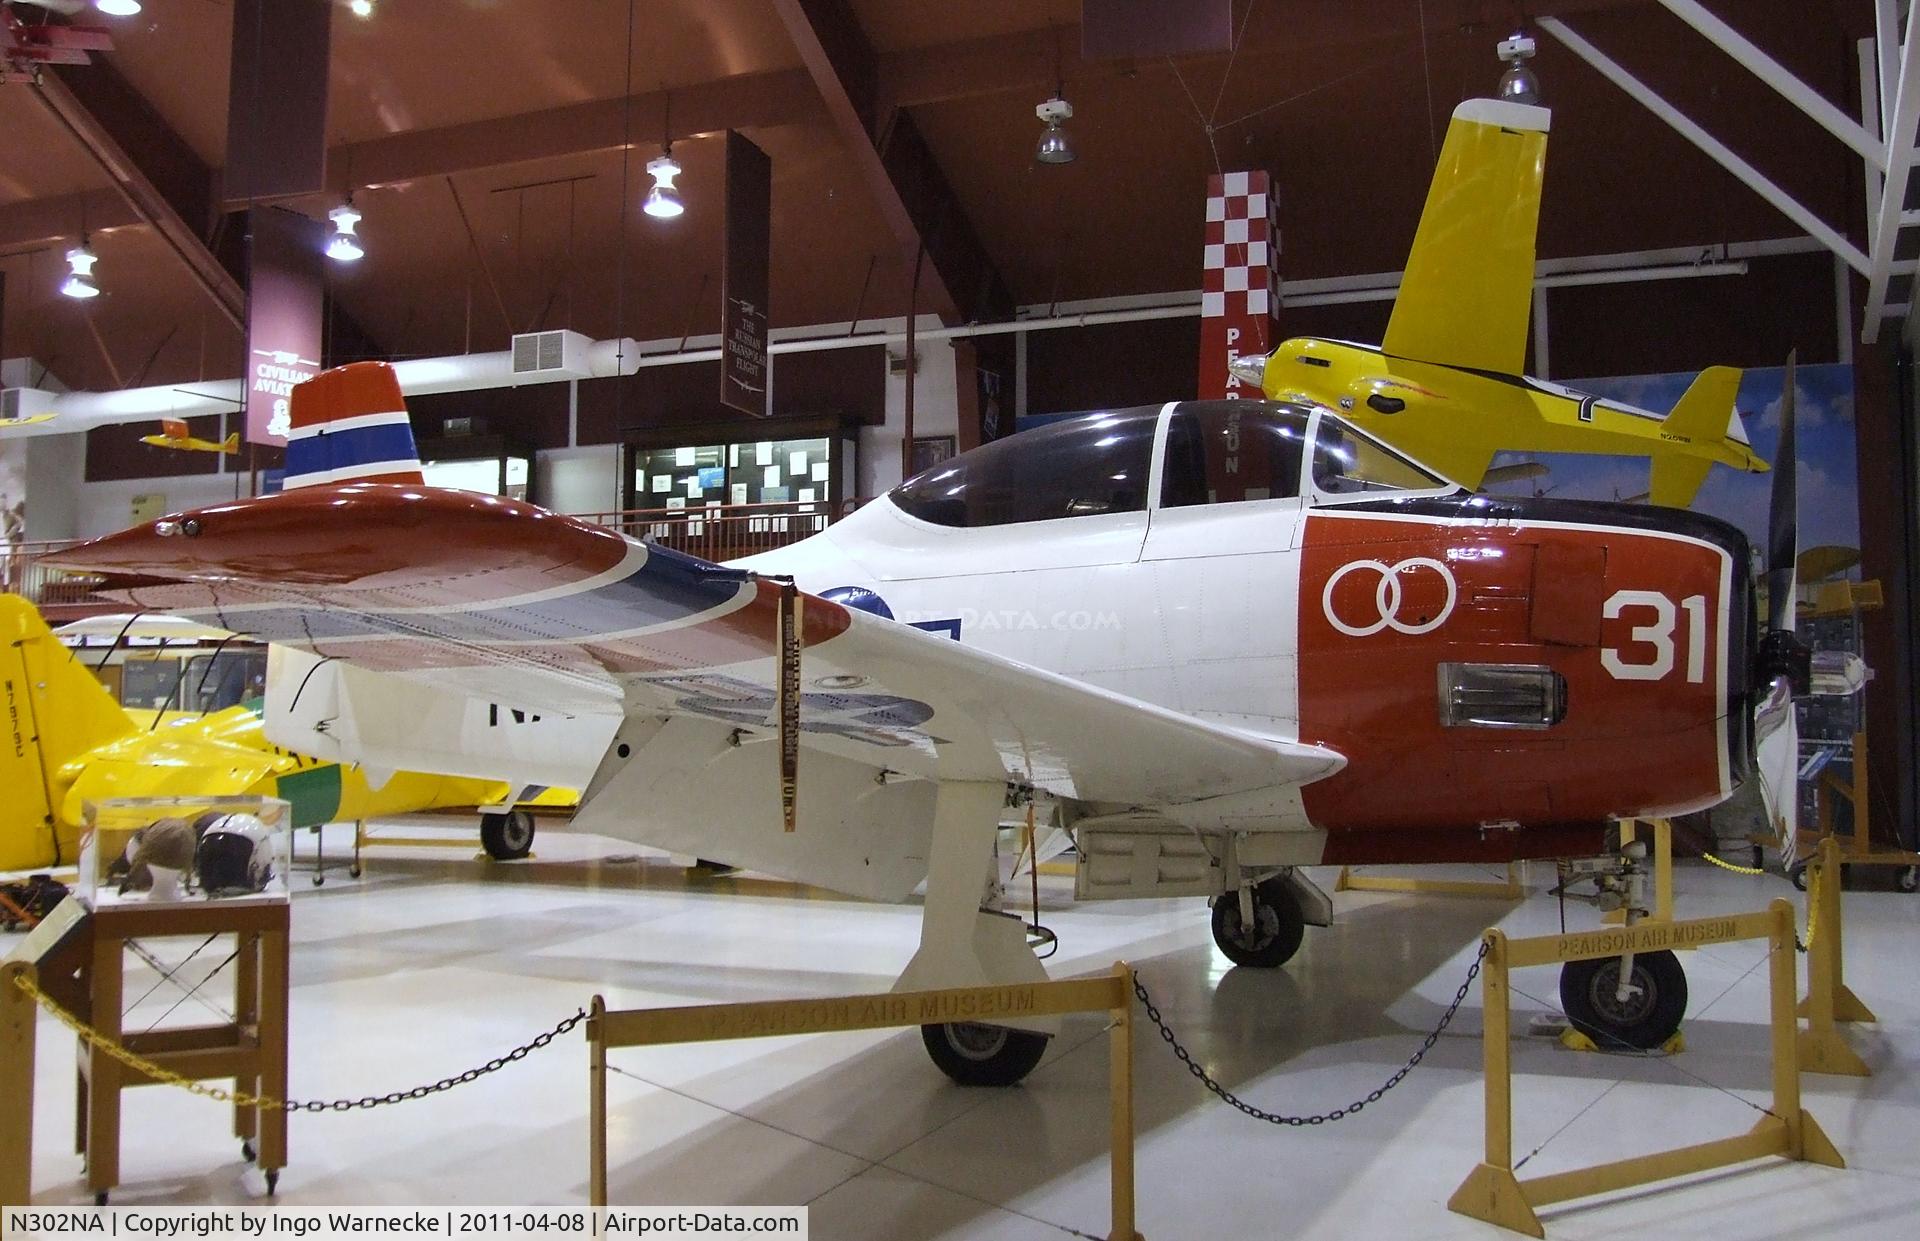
<point>361,9</point>
<point>344,247</point>
<point>79,282</point>
<point>663,200</point>
<point>117,8</point>
<point>1518,84</point>
<point>1056,144</point>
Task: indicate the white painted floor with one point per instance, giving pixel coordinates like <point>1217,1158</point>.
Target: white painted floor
<point>433,962</point>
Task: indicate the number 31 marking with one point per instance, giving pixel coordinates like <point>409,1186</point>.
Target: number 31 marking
<point>1658,635</point>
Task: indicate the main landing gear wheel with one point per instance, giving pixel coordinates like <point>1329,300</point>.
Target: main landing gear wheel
<point>1655,1004</point>
<point>981,1055</point>
<point>1278,925</point>
<point>507,837</point>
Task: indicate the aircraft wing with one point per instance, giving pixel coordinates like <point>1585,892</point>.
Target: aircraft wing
<point>1468,288</point>
<point>527,613</point>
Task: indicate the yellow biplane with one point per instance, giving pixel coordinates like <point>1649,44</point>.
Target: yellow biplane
<point>67,742</point>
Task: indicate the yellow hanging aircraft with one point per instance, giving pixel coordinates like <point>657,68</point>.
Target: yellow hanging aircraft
<point>174,433</point>
<point>64,741</point>
<point>1445,384</point>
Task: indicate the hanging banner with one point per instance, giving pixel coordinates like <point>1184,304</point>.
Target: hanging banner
<point>277,99</point>
<point>743,277</point>
<point>1240,284</point>
<point>283,316</point>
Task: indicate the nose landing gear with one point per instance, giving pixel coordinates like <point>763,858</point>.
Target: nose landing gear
<point>1635,1000</point>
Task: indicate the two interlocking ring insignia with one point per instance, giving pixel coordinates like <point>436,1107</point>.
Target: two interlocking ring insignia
<point>1388,595</point>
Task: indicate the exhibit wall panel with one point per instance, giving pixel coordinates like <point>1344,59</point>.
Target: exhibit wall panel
<point>936,412</point>
<point>107,506</point>
<point>579,480</point>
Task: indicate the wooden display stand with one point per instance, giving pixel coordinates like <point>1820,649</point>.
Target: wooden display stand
<point>251,1049</point>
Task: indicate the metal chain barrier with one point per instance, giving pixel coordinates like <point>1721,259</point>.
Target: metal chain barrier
<point>241,1098</point>
<point>1738,870</point>
<point>1339,1113</point>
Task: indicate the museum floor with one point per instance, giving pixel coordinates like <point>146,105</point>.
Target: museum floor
<point>433,963</point>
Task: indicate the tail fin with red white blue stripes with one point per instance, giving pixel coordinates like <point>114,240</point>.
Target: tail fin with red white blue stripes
<point>349,425</point>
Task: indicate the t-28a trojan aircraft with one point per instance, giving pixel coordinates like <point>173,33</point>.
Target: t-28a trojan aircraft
<point>1217,641</point>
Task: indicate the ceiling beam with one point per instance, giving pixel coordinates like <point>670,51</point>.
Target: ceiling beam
<point>110,123</point>
<point>745,101</point>
<point>48,221</point>
<point>911,193</point>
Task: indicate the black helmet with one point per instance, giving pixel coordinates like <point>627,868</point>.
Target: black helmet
<point>235,856</point>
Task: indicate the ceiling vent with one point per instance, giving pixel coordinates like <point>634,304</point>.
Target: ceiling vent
<point>539,357</point>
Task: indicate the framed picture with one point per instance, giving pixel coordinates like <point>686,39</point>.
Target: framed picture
<point>931,450</point>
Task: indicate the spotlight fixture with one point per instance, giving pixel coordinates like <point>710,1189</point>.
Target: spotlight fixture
<point>344,247</point>
<point>663,200</point>
<point>1056,144</point>
<point>1518,84</point>
<point>118,8</point>
<point>80,283</point>
<point>361,9</point>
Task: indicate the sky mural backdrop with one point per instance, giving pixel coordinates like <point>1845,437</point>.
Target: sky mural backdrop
<point>1829,495</point>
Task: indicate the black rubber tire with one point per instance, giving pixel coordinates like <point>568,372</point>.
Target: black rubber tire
<point>273,1182</point>
<point>247,1152</point>
<point>1799,876</point>
<point>1909,880</point>
<point>507,837</point>
<point>1647,1020</point>
<point>1280,921</point>
<point>982,1055</point>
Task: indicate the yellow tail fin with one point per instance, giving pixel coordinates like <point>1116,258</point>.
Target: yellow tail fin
<point>1468,289</point>
<point>1697,425</point>
<point>52,710</point>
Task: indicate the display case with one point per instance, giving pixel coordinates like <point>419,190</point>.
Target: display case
<point>171,851</point>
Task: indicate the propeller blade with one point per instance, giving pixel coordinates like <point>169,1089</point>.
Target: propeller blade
<point>1783,515</point>
<point>1778,767</point>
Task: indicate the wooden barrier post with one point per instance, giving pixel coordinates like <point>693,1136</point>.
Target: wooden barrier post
<point>696,1023</point>
<point>597,1103</point>
<point>18,1014</point>
<point>1822,1048</point>
<point>1120,1095</point>
<point>1492,1192</point>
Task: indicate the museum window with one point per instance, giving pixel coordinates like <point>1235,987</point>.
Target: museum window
<point>1501,696</point>
<point>1224,452</point>
<point>1347,463</point>
<point>1078,467</point>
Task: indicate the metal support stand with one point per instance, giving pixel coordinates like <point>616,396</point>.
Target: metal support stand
<point>1511,890</point>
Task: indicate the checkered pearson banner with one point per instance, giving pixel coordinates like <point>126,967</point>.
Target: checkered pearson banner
<point>1241,275</point>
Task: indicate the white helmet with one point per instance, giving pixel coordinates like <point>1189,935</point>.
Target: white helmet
<point>235,856</point>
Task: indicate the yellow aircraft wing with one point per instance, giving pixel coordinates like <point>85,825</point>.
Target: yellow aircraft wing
<point>1468,288</point>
